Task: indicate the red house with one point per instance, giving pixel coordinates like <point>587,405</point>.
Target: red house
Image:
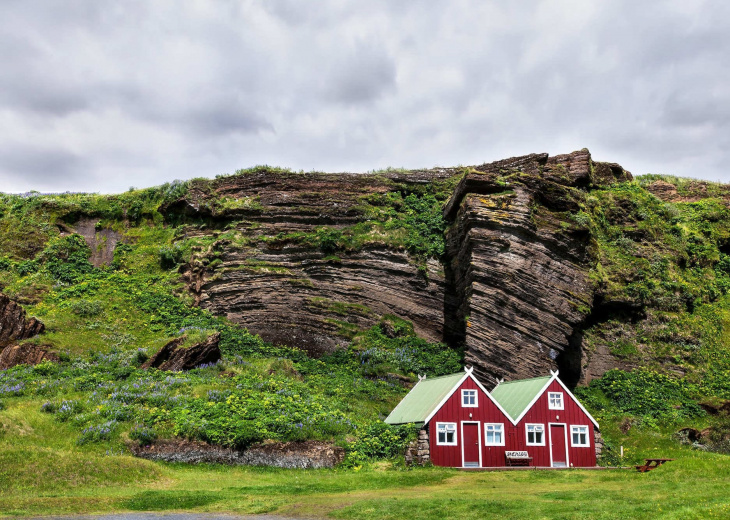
<point>536,422</point>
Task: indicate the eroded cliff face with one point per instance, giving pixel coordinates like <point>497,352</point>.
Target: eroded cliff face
<point>512,286</point>
<point>266,277</point>
<point>518,265</point>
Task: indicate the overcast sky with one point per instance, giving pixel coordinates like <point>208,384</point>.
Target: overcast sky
<point>100,95</point>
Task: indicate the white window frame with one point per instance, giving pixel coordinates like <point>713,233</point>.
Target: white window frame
<point>476,398</point>
<point>556,395</point>
<point>527,434</point>
<point>576,428</point>
<point>498,427</point>
<point>454,430</point>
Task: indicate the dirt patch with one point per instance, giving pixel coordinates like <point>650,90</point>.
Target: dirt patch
<point>304,455</point>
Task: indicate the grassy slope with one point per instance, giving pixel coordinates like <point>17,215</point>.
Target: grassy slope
<point>62,478</point>
<point>663,260</point>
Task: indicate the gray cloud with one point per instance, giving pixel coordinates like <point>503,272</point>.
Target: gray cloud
<point>33,164</point>
<point>97,96</point>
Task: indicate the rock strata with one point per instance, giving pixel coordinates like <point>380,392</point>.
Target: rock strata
<point>291,293</point>
<point>517,273</point>
<point>25,355</point>
<point>175,358</point>
<point>14,324</point>
<point>512,286</point>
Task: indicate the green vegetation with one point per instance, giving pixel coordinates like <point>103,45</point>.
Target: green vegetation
<point>662,274</point>
<point>64,478</point>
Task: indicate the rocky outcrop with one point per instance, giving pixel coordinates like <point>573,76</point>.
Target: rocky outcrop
<point>175,358</point>
<point>291,293</point>
<point>297,296</point>
<point>513,286</point>
<point>518,288</point>
<point>101,241</point>
<point>25,355</point>
<point>14,324</point>
<point>302,455</point>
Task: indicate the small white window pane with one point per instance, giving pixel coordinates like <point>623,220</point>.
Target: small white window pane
<point>555,400</point>
<point>535,434</point>
<point>469,398</point>
<point>446,434</point>
<point>579,436</point>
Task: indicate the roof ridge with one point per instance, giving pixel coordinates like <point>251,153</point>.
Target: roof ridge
<point>523,380</point>
<point>443,376</point>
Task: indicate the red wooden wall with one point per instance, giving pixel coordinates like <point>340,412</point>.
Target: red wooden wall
<point>452,411</point>
<point>571,415</point>
<point>515,436</point>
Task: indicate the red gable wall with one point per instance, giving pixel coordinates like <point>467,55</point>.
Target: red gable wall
<point>452,411</point>
<point>515,436</point>
<point>571,415</point>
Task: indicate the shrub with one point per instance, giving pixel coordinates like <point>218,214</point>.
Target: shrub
<point>644,393</point>
<point>143,435</point>
<point>49,407</point>
<point>5,264</point>
<point>170,256</point>
<point>97,433</point>
<point>45,368</point>
<point>380,440</point>
<point>67,409</point>
<point>139,357</point>
<point>27,267</point>
<point>86,309</point>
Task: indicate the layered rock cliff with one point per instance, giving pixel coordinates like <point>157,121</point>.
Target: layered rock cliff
<point>263,272</point>
<point>512,285</point>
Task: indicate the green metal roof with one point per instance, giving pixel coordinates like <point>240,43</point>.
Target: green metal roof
<point>423,399</point>
<point>515,396</point>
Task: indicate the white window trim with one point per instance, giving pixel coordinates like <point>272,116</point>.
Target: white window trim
<point>562,401</point>
<point>501,430</point>
<point>455,442</point>
<point>575,427</point>
<point>527,437</point>
<point>476,398</point>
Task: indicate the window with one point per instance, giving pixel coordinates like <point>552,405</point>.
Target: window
<point>555,400</point>
<point>535,434</point>
<point>493,434</point>
<point>469,398</point>
<point>446,434</point>
<point>579,437</point>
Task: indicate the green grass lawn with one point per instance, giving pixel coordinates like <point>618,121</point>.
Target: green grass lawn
<point>43,471</point>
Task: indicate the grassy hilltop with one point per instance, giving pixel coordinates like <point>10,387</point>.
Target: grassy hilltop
<point>65,427</point>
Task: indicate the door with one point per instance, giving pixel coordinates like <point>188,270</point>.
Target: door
<point>558,450</point>
<point>470,442</point>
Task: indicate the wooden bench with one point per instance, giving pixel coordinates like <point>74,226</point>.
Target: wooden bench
<point>517,458</point>
<point>651,464</point>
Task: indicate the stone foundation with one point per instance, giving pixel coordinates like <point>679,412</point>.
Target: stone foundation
<point>599,443</point>
<point>419,451</point>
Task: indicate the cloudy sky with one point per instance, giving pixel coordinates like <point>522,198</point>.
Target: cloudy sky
<point>100,96</point>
